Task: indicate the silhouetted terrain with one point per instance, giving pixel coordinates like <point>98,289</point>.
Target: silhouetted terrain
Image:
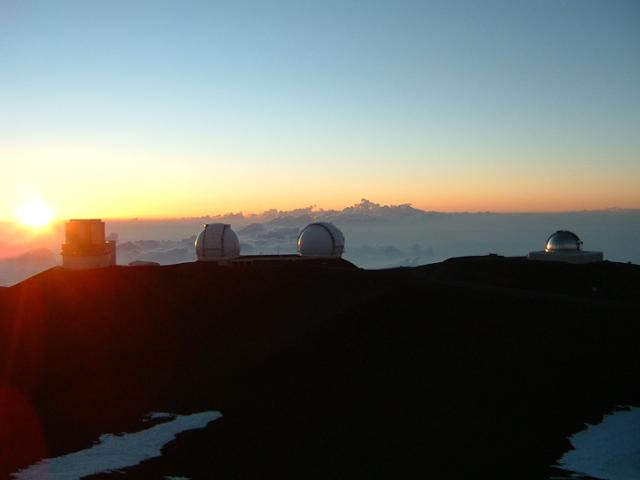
<point>479,365</point>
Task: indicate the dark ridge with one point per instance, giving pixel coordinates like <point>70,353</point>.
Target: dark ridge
<point>473,366</point>
<point>601,280</point>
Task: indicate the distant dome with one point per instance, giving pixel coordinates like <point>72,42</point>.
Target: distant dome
<point>216,242</point>
<point>563,241</point>
<point>321,239</point>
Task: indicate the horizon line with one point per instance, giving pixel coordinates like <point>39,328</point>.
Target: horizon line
<point>248,216</point>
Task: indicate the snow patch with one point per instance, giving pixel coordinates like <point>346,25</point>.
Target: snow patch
<point>609,450</point>
<point>113,452</point>
<point>157,415</point>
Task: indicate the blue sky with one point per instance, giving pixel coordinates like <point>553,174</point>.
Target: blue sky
<point>448,105</point>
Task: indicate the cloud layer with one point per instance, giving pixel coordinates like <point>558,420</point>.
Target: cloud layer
<point>377,236</point>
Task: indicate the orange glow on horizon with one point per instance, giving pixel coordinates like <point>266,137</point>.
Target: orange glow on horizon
<point>36,215</point>
<point>147,183</point>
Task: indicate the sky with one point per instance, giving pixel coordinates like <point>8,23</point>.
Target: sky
<point>160,109</point>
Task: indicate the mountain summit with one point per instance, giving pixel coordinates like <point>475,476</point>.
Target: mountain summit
<point>479,365</point>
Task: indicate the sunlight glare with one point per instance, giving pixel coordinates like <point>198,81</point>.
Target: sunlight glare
<point>35,214</point>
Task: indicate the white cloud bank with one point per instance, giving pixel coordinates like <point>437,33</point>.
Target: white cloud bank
<point>377,236</point>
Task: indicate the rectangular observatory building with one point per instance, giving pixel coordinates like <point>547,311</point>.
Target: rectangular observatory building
<point>85,245</point>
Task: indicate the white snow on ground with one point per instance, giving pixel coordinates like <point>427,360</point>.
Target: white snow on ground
<point>609,450</point>
<point>157,415</point>
<point>113,452</point>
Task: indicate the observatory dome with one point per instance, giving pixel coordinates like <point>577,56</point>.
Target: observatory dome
<point>321,239</point>
<point>563,241</point>
<point>565,246</point>
<point>217,242</point>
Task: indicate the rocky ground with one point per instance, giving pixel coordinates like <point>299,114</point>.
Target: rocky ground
<point>481,365</point>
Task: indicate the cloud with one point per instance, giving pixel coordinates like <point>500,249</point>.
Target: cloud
<point>387,256</point>
<point>363,211</point>
<point>252,228</point>
<point>15,269</point>
<point>160,251</point>
<point>377,236</point>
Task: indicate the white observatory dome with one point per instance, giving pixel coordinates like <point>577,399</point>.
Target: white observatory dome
<point>321,239</point>
<point>217,242</point>
<point>563,241</point>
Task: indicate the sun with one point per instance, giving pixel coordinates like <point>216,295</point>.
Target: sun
<point>35,214</point>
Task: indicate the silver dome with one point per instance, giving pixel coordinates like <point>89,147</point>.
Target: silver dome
<point>321,239</point>
<point>216,242</point>
<point>563,241</point>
